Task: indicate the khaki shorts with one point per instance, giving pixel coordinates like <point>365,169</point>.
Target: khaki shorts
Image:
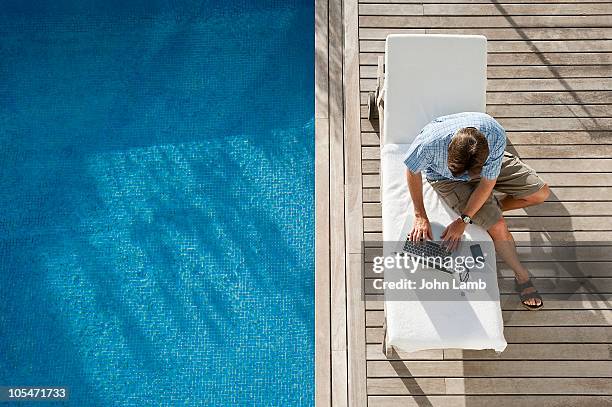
<point>516,179</point>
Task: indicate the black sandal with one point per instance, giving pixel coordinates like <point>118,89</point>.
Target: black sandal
<point>526,296</point>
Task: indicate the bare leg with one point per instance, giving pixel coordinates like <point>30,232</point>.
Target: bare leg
<point>506,248</point>
<point>510,202</point>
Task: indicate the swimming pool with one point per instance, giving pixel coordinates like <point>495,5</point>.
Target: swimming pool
<point>157,216</point>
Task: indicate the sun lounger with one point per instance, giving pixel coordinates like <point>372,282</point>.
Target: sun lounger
<point>424,77</point>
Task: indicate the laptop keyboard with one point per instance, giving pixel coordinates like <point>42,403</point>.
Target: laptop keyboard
<point>432,253</point>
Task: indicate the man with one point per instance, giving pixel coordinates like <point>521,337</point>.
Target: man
<point>464,159</point>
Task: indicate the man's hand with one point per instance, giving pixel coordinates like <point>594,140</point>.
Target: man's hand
<point>452,234</point>
<point>421,229</point>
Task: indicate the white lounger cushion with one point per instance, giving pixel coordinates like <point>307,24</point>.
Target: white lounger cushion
<point>419,325</point>
<point>427,76</point>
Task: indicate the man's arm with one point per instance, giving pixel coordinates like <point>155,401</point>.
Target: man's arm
<point>452,234</point>
<point>421,229</point>
<point>479,196</point>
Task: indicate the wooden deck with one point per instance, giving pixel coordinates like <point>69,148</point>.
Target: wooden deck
<point>550,85</point>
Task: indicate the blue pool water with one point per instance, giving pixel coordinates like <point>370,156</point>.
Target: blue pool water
<point>156,227</point>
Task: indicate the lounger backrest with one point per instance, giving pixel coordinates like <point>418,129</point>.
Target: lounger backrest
<point>427,76</point>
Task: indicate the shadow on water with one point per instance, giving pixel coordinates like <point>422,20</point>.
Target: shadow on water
<point>158,208</point>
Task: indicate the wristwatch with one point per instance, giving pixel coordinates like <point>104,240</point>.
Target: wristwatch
<point>465,218</point>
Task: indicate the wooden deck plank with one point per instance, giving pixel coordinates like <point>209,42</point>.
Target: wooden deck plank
<point>517,334</point>
<point>337,209</point>
<point>542,318</point>
<point>406,9</point>
<point>554,302</point>
<point>353,127</point>
<point>497,34</point>
<point>323,353</point>
<point>568,286</point>
<point>357,389</point>
<point>322,373</point>
<point>540,98</point>
<point>322,266</point>
<point>552,255</point>
<point>437,9</point>
<point>531,351</point>
<point>496,385</point>
<point>539,137</point>
<point>536,238</point>
<point>532,85</point>
<point>525,58</point>
<point>519,46</point>
<point>527,72</point>
<point>488,401</point>
<point>549,224</point>
<point>561,351</point>
<point>556,9</point>
<point>560,267</point>
<point>566,165</point>
<point>373,209</point>
<point>339,396</point>
<point>572,286</point>
<point>336,175</point>
<point>357,341</point>
<point>530,151</point>
<point>517,137</point>
<point>521,21</point>
<point>321,60</point>
<point>559,124</point>
<point>490,368</point>
<point>558,194</point>
<point>552,179</point>
<point>547,268</point>
<point>478,1</point>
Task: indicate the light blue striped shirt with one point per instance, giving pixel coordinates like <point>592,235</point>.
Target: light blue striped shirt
<point>429,151</point>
